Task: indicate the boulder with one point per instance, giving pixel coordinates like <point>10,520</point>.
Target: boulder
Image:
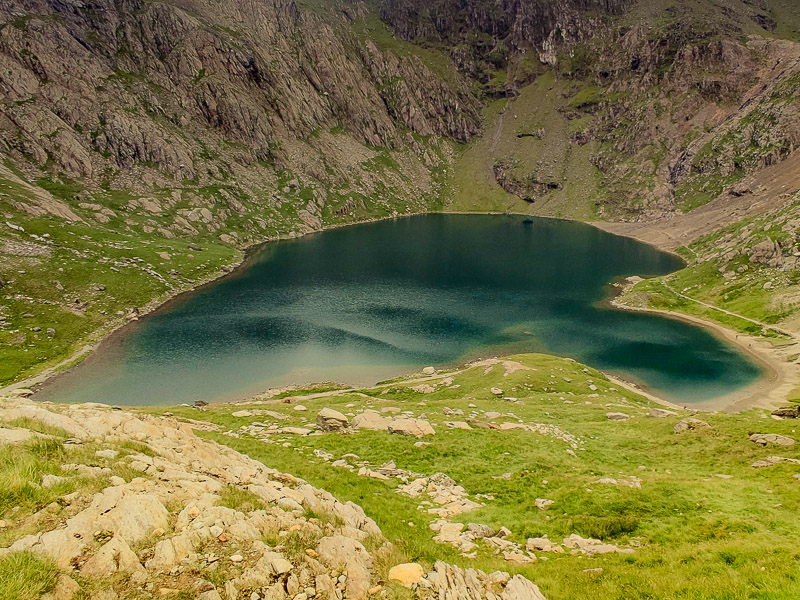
<point>519,588</point>
<point>765,439</point>
<point>423,388</point>
<point>406,574</point>
<point>617,416</point>
<point>496,391</point>
<point>296,430</point>
<point>542,544</point>
<point>16,436</point>
<point>429,371</point>
<point>787,412</point>
<point>415,427</point>
<point>332,420</point>
<point>661,413</point>
<point>689,424</point>
<point>371,420</point>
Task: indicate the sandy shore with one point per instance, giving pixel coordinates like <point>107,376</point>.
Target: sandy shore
<point>781,373</point>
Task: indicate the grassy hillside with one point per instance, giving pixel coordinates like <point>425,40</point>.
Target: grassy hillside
<point>530,135</point>
<point>694,518</point>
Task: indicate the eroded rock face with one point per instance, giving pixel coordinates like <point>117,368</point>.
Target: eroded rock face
<point>250,79</point>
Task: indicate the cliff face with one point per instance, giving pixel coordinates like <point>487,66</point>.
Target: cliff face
<point>110,86</point>
<point>669,106</point>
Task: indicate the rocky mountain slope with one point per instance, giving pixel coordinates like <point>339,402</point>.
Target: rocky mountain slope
<point>131,129</point>
<point>197,515</point>
<point>145,144</point>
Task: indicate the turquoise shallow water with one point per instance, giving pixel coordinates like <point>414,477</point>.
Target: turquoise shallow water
<point>362,303</point>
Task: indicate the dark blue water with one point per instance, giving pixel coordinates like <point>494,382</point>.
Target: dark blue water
<point>367,302</point>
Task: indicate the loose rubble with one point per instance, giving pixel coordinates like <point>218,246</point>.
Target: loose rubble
<point>160,527</point>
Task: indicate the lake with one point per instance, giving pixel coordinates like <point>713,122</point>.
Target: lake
<point>368,302</point>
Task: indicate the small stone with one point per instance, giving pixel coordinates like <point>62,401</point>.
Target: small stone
<point>107,453</point>
<point>300,408</point>
<point>237,558</point>
<point>407,574</point>
<point>661,413</point>
<point>617,416</point>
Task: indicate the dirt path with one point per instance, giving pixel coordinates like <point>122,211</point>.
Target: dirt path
<point>48,372</point>
<point>761,324</point>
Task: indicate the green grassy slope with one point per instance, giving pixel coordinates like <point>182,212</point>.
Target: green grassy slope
<point>512,136</point>
<point>705,524</point>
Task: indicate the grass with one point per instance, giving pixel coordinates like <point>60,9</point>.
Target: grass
<point>26,576</point>
<point>721,273</point>
<point>696,535</point>
<point>240,499</point>
<point>553,158</point>
<point>22,467</point>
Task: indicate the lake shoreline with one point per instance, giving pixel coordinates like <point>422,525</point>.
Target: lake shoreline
<point>50,376</point>
<point>108,334</point>
<point>779,377</point>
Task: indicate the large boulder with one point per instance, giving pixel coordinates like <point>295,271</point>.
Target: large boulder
<point>764,439</point>
<point>787,412</point>
<point>371,420</point>
<point>520,588</point>
<point>332,420</point>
